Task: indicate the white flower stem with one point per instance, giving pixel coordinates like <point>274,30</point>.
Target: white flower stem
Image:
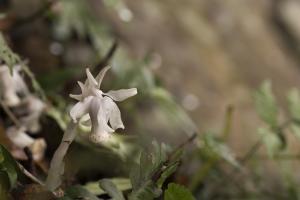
<point>56,170</point>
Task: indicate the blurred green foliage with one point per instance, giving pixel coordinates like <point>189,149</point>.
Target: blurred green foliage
<point>146,165</point>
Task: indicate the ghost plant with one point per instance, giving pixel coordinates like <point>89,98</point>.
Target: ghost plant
<point>94,108</point>
<point>99,106</point>
<point>15,93</point>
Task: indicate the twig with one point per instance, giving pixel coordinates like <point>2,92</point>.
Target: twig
<point>29,175</point>
<point>259,143</point>
<point>252,152</point>
<point>189,140</point>
<point>228,121</point>
<point>102,63</point>
<point>157,174</point>
<point>105,60</point>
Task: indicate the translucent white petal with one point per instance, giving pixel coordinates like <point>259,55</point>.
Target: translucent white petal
<point>120,95</point>
<point>113,113</point>
<point>11,98</point>
<point>38,149</point>
<point>98,117</point>
<point>101,75</point>
<point>8,87</point>
<point>100,127</point>
<point>81,85</point>
<point>19,137</point>
<point>19,83</point>
<point>76,96</point>
<point>91,80</point>
<point>80,109</point>
<point>35,104</point>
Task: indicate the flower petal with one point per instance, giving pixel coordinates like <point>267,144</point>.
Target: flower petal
<point>38,149</point>
<point>99,120</point>
<point>76,96</point>
<point>113,113</point>
<point>8,87</point>
<point>81,85</point>
<point>101,75</point>
<point>80,109</point>
<point>19,137</point>
<point>120,95</point>
<point>90,78</point>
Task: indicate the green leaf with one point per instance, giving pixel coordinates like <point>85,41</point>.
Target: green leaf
<point>147,191</point>
<point>171,168</point>
<point>122,184</point>
<point>167,173</point>
<point>150,161</point>
<point>218,148</point>
<point>266,104</point>
<point>177,192</point>
<point>108,186</point>
<point>294,103</point>
<point>150,173</point>
<point>6,54</point>
<point>271,140</point>
<point>4,185</point>
<point>79,192</point>
<point>9,166</point>
<point>295,128</point>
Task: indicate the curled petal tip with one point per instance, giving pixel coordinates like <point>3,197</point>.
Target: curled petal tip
<point>134,91</point>
<point>81,85</point>
<point>101,75</point>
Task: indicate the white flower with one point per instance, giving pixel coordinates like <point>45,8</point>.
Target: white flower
<point>14,92</point>
<point>99,106</point>
<point>21,139</point>
<point>11,85</point>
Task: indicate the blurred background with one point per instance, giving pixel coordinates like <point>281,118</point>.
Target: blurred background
<point>194,62</point>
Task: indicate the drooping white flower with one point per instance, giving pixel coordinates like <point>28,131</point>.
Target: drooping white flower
<point>99,106</point>
<point>21,139</point>
<point>11,85</point>
<point>14,92</point>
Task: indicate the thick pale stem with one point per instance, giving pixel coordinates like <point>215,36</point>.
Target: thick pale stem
<point>56,170</point>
